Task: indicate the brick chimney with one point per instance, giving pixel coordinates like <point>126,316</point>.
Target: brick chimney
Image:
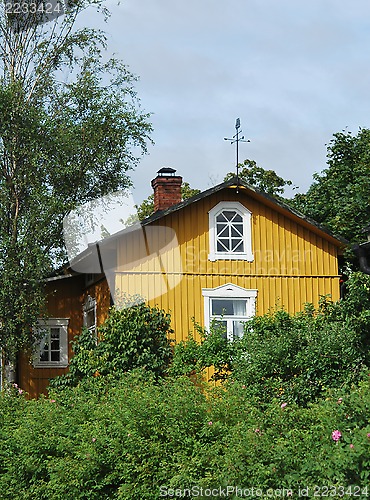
<point>167,188</point>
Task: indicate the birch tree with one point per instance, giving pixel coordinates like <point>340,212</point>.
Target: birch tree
<point>71,128</point>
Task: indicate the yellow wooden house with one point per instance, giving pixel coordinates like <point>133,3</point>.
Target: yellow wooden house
<point>227,253</point>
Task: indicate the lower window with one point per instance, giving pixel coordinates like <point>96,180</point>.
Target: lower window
<point>52,349</point>
<point>230,306</point>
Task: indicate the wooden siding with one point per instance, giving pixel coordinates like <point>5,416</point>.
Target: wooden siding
<point>65,299</point>
<point>292,264</point>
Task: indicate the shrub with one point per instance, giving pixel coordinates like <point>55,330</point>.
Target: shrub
<point>126,438</point>
<point>294,357</point>
<point>132,337</point>
<point>192,357</point>
<point>297,357</point>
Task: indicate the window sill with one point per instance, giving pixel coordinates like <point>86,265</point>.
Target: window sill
<point>230,256</point>
<point>50,365</point>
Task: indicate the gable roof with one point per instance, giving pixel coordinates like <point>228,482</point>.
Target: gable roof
<point>275,203</point>
<point>239,184</point>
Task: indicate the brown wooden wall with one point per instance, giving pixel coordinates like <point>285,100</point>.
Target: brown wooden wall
<point>65,299</point>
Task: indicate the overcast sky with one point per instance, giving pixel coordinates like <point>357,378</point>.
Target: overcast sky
<point>294,72</point>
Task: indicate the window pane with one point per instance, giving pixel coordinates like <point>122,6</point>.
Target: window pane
<point>237,230</point>
<point>223,245</point>
<point>223,327</point>
<point>229,232</point>
<point>90,318</point>
<point>54,344</point>
<point>54,339</point>
<point>240,307</point>
<point>220,218</point>
<point>228,214</point>
<point>238,329</point>
<point>229,307</point>
<point>55,355</point>
<point>222,307</point>
<point>44,354</point>
<point>222,230</point>
<point>237,245</point>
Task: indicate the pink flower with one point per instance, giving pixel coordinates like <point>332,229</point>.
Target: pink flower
<point>257,431</point>
<point>336,435</point>
<point>368,435</point>
<point>20,391</point>
<point>351,446</point>
<point>339,401</point>
<point>244,386</point>
<point>210,423</point>
<point>93,440</point>
<point>283,405</point>
<point>52,401</point>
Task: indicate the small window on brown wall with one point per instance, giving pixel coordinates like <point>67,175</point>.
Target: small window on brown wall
<point>89,314</point>
<point>52,349</point>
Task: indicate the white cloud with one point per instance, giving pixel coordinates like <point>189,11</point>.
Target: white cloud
<point>294,72</point>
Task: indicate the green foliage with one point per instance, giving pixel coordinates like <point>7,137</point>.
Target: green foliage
<point>339,196</point>
<point>356,308</point>
<point>127,438</point>
<point>266,181</point>
<point>213,349</point>
<point>290,357</point>
<point>295,358</point>
<point>62,143</point>
<point>132,337</point>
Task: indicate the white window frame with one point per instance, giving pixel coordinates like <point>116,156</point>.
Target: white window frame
<point>247,232</point>
<point>47,324</point>
<point>228,291</point>
<point>89,305</point>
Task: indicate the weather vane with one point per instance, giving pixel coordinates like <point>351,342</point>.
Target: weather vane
<point>236,139</point>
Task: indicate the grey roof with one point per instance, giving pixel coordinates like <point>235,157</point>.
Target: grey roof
<point>277,203</point>
<point>237,182</point>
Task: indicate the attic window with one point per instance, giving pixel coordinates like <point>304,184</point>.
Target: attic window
<point>230,232</point>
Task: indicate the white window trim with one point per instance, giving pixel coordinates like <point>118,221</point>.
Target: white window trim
<point>89,305</point>
<point>63,339</point>
<point>247,232</point>
<point>228,291</point>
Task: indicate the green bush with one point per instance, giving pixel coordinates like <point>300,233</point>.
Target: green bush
<point>131,337</point>
<point>294,357</point>
<point>293,414</point>
<point>126,438</point>
<point>192,357</point>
